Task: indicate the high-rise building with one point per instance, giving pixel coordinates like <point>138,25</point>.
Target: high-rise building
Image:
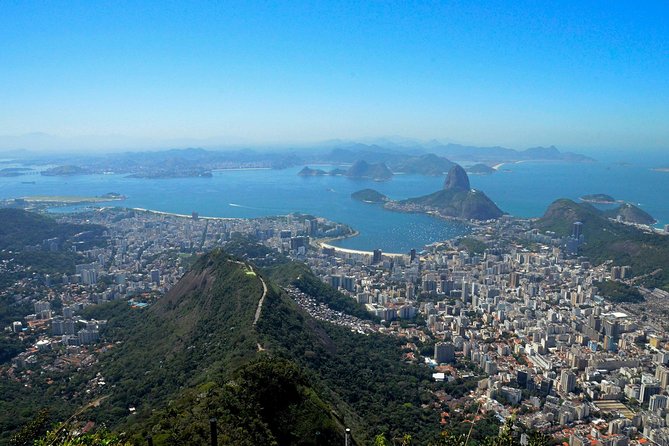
<point>567,381</point>
<point>57,327</point>
<point>42,306</point>
<point>514,280</point>
<point>648,390</point>
<point>577,230</point>
<point>521,378</point>
<point>658,402</point>
<point>348,283</point>
<point>88,336</point>
<point>335,281</point>
<point>377,256</point>
<point>444,352</point>
<point>68,312</point>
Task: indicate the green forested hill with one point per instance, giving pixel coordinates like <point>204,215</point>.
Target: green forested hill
<point>605,239</point>
<point>22,237</point>
<point>19,228</point>
<point>287,380</point>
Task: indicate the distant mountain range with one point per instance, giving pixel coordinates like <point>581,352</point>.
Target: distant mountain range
<point>427,159</point>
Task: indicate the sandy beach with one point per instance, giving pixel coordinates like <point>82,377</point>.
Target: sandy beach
<point>356,251</point>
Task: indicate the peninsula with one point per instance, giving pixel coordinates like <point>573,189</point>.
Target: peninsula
<point>456,200</point>
<point>369,196</point>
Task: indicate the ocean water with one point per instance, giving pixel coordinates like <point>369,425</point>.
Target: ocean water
<point>523,189</point>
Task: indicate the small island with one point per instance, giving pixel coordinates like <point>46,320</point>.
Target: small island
<point>173,173</point>
<point>480,169</point>
<point>64,171</point>
<point>309,172</point>
<point>359,170</point>
<point>661,169</point>
<point>598,199</point>
<point>369,196</point>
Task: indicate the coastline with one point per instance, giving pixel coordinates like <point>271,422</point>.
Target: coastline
<point>357,251</point>
<point>322,243</point>
<point>172,214</point>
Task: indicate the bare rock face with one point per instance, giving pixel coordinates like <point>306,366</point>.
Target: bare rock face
<point>457,179</point>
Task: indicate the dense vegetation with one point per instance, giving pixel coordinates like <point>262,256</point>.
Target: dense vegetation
<point>631,214</point>
<point>23,243</point>
<point>369,196</point>
<point>472,245</point>
<point>618,292</point>
<point>288,380</point>
<point>268,401</point>
<point>22,228</point>
<point>362,376</point>
<point>284,271</point>
<point>598,198</point>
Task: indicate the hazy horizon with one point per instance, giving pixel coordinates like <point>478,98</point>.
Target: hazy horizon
<point>138,76</point>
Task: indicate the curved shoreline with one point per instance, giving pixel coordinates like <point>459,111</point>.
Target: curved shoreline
<point>172,214</point>
<point>358,252</point>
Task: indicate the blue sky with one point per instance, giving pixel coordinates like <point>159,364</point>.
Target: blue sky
<point>580,75</point>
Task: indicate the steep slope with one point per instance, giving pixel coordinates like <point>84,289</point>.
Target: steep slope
<point>21,228</point>
<point>456,199</point>
<point>457,180</point>
<point>631,214</point>
<point>289,379</point>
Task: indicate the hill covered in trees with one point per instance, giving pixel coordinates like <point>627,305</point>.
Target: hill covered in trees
<point>270,373</point>
<point>606,239</point>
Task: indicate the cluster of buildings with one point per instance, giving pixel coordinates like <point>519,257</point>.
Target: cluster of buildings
<point>525,314</point>
<point>528,315</point>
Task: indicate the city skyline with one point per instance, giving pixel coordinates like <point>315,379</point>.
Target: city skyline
<point>140,76</point>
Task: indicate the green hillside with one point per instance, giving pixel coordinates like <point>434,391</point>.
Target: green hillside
<point>21,228</point>
<point>289,379</point>
<point>374,171</point>
<point>646,253</point>
<point>369,196</point>
<point>456,199</point>
<point>471,204</point>
<point>631,214</point>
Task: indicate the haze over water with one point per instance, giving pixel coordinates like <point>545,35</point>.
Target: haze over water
<point>523,190</point>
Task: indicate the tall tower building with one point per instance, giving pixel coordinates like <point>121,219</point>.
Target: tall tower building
<point>567,381</point>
